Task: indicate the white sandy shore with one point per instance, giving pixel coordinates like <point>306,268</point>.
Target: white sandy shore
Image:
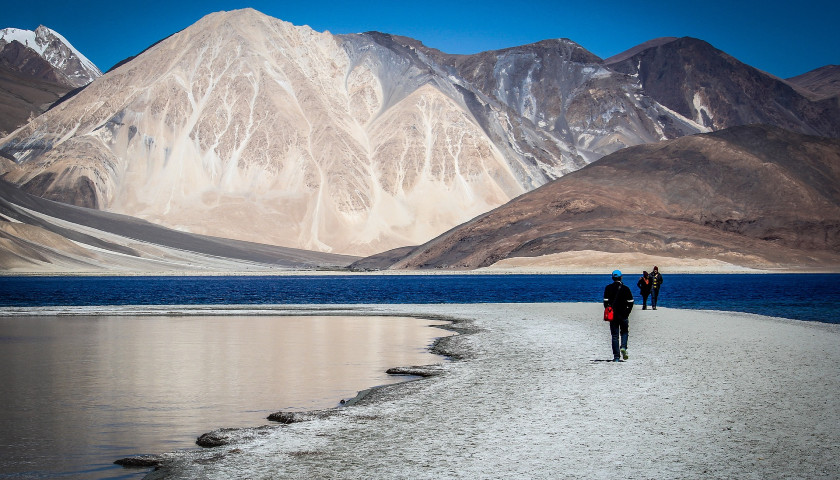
<point>703,395</point>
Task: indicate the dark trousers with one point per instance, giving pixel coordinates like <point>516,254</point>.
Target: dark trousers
<point>654,296</point>
<point>619,327</point>
<point>644,300</point>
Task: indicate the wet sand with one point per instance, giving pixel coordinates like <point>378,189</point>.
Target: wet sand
<point>534,395</point>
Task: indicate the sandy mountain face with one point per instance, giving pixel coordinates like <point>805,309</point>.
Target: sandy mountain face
<point>754,196</point>
<point>38,235</point>
<point>246,127</point>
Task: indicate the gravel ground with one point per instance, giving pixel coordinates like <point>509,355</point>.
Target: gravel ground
<point>534,395</point>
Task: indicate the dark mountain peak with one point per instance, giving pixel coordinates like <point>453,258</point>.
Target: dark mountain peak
<point>22,59</point>
<point>656,42</point>
<point>561,47</point>
<point>715,90</point>
<point>822,83</point>
<point>668,50</point>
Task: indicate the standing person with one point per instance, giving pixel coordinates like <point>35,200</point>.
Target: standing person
<point>644,285</point>
<point>656,282</point>
<point>620,298</point>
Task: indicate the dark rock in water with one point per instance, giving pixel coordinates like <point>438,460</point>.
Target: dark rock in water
<point>216,438</point>
<point>140,461</point>
<point>292,417</point>
<point>418,371</point>
<point>297,417</point>
<point>285,417</point>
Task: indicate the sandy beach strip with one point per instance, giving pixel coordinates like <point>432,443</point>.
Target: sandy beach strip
<point>535,395</point>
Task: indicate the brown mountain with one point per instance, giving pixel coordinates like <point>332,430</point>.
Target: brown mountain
<point>821,83</point>
<point>717,91</point>
<point>28,86</point>
<point>755,196</point>
<point>37,68</point>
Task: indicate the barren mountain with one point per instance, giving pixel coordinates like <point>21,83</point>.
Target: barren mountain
<point>562,90</point>
<point>822,83</point>
<point>69,66</point>
<point>246,127</point>
<point>23,97</point>
<point>756,196</point>
<point>717,91</point>
<point>36,69</point>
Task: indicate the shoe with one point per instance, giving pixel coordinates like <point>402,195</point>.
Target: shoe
<point>617,359</point>
<point>624,353</point>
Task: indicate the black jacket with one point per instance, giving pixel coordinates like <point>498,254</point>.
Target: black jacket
<point>645,287</point>
<point>621,301</point>
<point>656,280</point>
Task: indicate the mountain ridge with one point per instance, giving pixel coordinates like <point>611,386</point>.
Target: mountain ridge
<point>248,127</point>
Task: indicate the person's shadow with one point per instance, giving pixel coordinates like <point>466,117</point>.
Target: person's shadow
<point>607,361</point>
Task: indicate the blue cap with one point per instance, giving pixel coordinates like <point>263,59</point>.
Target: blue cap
<point>616,274</point>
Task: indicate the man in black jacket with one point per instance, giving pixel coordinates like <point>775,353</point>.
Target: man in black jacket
<point>656,282</point>
<point>620,298</point>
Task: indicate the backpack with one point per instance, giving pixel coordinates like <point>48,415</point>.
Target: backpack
<point>609,312</point>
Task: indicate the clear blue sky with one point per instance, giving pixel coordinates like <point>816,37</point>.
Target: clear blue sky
<point>785,38</point>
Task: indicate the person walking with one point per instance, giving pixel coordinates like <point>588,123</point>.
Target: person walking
<point>656,282</point>
<point>645,286</point>
<point>620,298</point>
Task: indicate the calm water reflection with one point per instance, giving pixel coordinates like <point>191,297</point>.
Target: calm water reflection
<point>80,392</point>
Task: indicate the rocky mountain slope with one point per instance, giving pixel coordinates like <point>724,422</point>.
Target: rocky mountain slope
<point>37,69</point>
<point>23,97</point>
<point>247,127</point>
<point>755,196</point>
<point>821,83</point>
<point>717,91</point>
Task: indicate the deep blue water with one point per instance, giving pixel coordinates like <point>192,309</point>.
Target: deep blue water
<point>813,297</point>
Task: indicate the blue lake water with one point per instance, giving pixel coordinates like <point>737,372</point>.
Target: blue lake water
<point>814,297</point>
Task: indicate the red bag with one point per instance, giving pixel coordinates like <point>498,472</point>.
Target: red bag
<point>608,314</point>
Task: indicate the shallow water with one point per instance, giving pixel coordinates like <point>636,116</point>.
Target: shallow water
<point>80,392</point>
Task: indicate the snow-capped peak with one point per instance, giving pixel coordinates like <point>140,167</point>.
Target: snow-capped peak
<point>56,50</point>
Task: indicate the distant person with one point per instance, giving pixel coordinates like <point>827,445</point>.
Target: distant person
<point>620,298</point>
<point>645,286</point>
<point>656,282</point>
